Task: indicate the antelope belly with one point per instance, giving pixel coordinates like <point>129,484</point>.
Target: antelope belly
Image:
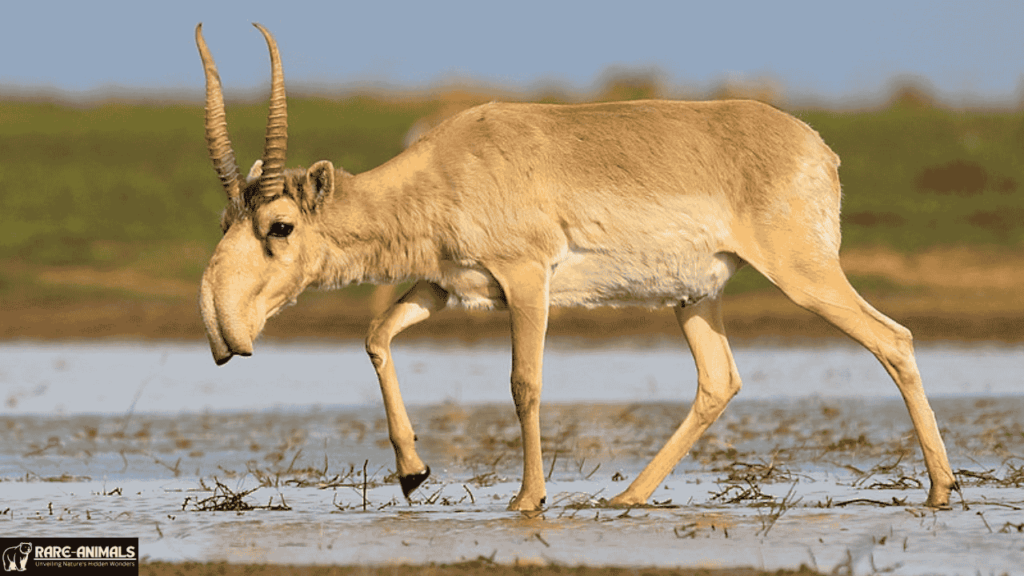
<point>614,278</point>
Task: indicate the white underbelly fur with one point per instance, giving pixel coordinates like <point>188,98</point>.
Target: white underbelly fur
<point>591,279</point>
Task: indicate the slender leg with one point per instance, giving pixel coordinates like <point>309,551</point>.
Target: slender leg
<point>526,292</point>
<point>415,306</point>
<point>717,382</point>
<point>830,296</point>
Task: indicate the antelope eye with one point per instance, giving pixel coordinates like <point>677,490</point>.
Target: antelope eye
<point>280,229</point>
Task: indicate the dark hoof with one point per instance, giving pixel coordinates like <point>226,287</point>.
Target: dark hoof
<point>413,481</point>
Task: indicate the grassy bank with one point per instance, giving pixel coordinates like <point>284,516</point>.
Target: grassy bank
<point>117,202</point>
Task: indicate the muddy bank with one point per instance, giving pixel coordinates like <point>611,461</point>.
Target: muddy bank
<point>331,316</point>
<point>943,293</point>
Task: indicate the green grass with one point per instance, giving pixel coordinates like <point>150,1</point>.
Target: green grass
<point>746,280</point>
<point>920,177</point>
<point>122,184</point>
<point>99,185</point>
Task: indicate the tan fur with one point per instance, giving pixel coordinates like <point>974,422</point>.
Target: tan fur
<point>526,206</point>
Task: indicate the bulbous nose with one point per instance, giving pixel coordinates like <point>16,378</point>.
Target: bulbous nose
<point>226,338</point>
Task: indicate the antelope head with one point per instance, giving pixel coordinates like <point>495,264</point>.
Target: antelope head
<point>269,253</point>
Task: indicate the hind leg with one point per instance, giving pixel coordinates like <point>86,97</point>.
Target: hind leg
<point>822,287</point>
<point>717,382</point>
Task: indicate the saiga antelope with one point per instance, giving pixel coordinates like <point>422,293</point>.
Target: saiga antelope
<point>527,206</point>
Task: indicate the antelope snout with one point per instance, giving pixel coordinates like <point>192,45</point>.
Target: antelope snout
<point>225,331</point>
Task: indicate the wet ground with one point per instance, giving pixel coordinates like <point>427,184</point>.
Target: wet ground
<point>829,476</point>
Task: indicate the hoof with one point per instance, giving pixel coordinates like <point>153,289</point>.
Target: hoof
<point>413,481</point>
<point>517,505</point>
<point>939,498</point>
<point>623,501</point>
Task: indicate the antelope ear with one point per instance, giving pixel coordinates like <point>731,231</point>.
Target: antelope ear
<point>255,172</point>
<point>320,185</point>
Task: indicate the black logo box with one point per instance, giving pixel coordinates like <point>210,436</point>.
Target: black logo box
<point>69,556</point>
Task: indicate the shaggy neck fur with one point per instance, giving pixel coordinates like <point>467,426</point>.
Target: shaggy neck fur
<point>381,228</point>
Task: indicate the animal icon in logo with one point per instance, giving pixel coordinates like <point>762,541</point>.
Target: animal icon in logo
<point>16,557</point>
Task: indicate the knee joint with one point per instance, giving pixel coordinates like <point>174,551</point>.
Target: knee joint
<point>377,349</point>
<point>714,395</point>
<point>900,356</point>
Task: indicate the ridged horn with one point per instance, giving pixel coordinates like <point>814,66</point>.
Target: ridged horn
<point>272,182</point>
<point>217,126</point>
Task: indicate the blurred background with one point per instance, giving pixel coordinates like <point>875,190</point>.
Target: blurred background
<point>109,208</point>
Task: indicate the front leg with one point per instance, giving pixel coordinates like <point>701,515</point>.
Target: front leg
<point>526,292</point>
<point>415,306</point>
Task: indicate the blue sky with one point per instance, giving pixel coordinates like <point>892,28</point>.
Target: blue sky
<point>825,50</point>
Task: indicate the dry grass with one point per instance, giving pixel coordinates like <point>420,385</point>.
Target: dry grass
<point>225,499</point>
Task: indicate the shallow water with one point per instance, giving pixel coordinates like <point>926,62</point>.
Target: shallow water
<point>115,378</point>
<point>815,463</point>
